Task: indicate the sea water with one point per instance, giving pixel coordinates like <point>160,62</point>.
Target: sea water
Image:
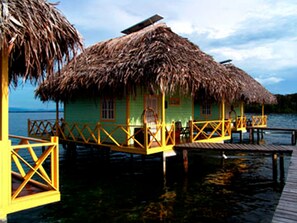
<point>123,188</point>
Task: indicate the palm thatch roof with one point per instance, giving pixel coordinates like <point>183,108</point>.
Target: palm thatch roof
<point>251,91</point>
<point>39,36</point>
<point>154,58</point>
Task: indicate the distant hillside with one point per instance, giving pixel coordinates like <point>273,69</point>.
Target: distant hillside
<point>286,104</point>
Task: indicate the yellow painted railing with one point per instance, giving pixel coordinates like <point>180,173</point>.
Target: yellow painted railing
<point>210,131</point>
<point>240,123</point>
<point>35,173</point>
<point>142,139</point>
<point>259,121</point>
<point>44,129</point>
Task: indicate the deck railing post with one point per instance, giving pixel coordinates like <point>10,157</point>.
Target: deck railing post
<point>55,162</point>
<point>146,137</point>
<point>98,133</point>
<point>191,130</point>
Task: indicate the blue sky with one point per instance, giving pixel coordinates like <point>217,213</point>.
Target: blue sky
<point>260,36</point>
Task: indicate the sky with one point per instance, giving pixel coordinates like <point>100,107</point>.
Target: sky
<point>259,36</point>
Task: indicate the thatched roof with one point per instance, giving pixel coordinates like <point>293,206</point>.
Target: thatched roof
<point>154,58</point>
<point>39,36</point>
<point>251,91</point>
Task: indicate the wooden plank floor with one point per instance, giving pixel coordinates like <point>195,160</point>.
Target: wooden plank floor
<point>29,189</point>
<point>286,211</point>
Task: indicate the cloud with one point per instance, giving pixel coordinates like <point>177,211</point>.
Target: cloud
<point>268,80</point>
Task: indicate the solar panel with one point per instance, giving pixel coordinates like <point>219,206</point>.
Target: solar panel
<point>151,20</point>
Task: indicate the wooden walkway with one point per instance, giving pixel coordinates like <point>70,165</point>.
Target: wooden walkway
<point>235,147</point>
<point>286,211</point>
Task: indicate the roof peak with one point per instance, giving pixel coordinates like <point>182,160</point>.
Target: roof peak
<point>147,22</point>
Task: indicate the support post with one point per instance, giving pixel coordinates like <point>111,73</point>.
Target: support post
<point>5,145</point>
<point>191,130</point>
<point>57,118</point>
<point>163,137</point>
<point>223,117</point>
<point>164,163</point>
<point>281,168</point>
<point>274,166</point>
<point>293,139</point>
<point>185,160</point>
<point>241,113</point>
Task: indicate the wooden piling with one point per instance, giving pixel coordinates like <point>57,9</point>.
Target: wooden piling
<point>164,164</point>
<point>274,166</point>
<point>293,138</point>
<point>186,161</point>
<point>281,168</point>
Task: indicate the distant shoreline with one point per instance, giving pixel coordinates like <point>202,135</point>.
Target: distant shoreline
<point>34,111</point>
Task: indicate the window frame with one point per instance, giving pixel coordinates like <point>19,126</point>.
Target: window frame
<point>206,108</point>
<point>107,112</point>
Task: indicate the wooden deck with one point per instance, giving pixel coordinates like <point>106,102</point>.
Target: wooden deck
<point>29,189</point>
<point>286,210</point>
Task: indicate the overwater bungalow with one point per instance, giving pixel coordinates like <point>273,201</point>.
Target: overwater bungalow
<point>35,37</point>
<point>140,93</point>
<point>136,93</point>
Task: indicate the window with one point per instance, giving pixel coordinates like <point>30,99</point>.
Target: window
<point>108,109</point>
<point>206,108</point>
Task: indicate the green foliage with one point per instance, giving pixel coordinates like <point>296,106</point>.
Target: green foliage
<point>286,104</point>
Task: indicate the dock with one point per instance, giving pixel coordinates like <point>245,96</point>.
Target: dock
<point>286,210</point>
<point>259,132</point>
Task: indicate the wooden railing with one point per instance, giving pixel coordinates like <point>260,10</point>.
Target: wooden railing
<point>29,157</point>
<point>214,130</point>
<point>43,129</point>
<point>259,121</point>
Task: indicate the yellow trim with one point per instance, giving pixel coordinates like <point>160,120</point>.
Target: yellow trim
<point>128,117</point>
<point>35,200</point>
<point>163,117</point>
<point>223,117</point>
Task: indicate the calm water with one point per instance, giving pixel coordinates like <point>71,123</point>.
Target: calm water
<point>95,188</point>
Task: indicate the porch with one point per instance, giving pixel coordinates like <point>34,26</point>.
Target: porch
<point>138,139</point>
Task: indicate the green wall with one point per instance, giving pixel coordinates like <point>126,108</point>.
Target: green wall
<point>181,112</point>
<point>86,110</point>
<point>215,112</point>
